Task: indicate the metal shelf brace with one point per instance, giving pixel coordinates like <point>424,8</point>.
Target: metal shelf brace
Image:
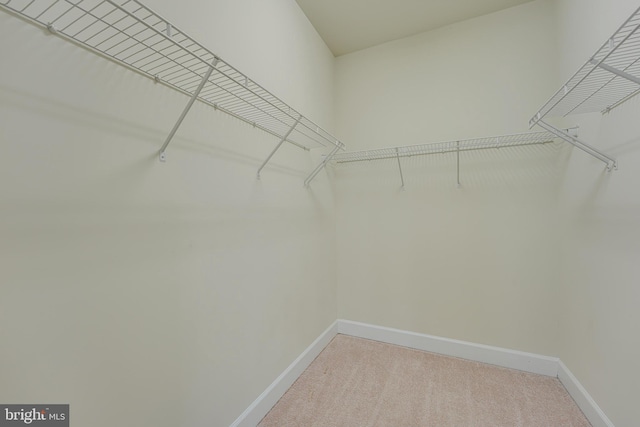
<point>608,79</point>
<point>132,35</point>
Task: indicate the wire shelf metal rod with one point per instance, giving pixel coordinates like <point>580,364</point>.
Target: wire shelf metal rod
<point>137,19</point>
<point>400,167</point>
<point>184,113</point>
<point>321,166</point>
<point>75,35</point>
<point>52,23</point>
<point>131,34</point>
<point>627,33</point>
<point>597,92</point>
<point>503,141</point>
<point>609,161</point>
<point>183,47</point>
<point>126,37</point>
<point>620,73</point>
<point>232,95</point>
<point>80,17</point>
<point>284,138</point>
<point>107,26</point>
<point>43,12</point>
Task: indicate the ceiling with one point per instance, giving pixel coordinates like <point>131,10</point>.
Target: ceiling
<point>350,25</point>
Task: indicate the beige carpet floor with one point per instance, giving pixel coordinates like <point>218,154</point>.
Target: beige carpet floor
<point>356,382</point>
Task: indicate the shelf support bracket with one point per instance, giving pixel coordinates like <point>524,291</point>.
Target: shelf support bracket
<point>616,71</point>
<point>609,161</point>
<point>186,109</point>
<point>458,163</point>
<point>400,167</point>
<point>284,138</point>
<point>321,166</point>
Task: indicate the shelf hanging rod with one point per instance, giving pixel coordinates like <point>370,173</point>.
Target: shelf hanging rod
<point>187,108</point>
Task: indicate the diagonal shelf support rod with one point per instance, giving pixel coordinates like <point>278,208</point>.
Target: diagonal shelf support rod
<point>132,35</point>
<point>400,166</point>
<point>321,166</point>
<point>610,161</point>
<point>284,138</point>
<point>615,71</point>
<point>186,109</point>
<point>458,163</point>
<point>588,90</point>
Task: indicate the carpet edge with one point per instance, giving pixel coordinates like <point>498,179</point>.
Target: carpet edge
<point>513,359</point>
<point>583,399</point>
<point>263,404</point>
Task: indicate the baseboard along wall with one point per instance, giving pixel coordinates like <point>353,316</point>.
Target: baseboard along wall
<point>263,404</point>
<point>528,362</point>
<point>521,361</point>
<point>585,402</point>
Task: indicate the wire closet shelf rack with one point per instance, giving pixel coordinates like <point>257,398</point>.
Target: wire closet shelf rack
<point>608,79</point>
<point>458,146</point>
<point>132,35</point>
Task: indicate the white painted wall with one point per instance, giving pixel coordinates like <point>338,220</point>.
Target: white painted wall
<point>538,251</point>
<point>478,263</point>
<point>271,41</point>
<point>174,294</point>
<point>601,229</point>
<point>475,78</point>
<point>153,294</point>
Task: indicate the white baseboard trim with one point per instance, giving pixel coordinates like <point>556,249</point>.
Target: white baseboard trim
<point>528,362</point>
<point>585,402</point>
<point>263,404</point>
<point>513,359</point>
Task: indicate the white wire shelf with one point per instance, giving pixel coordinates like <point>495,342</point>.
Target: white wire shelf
<point>131,34</point>
<point>514,140</point>
<point>610,77</point>
<point>458,146</point>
